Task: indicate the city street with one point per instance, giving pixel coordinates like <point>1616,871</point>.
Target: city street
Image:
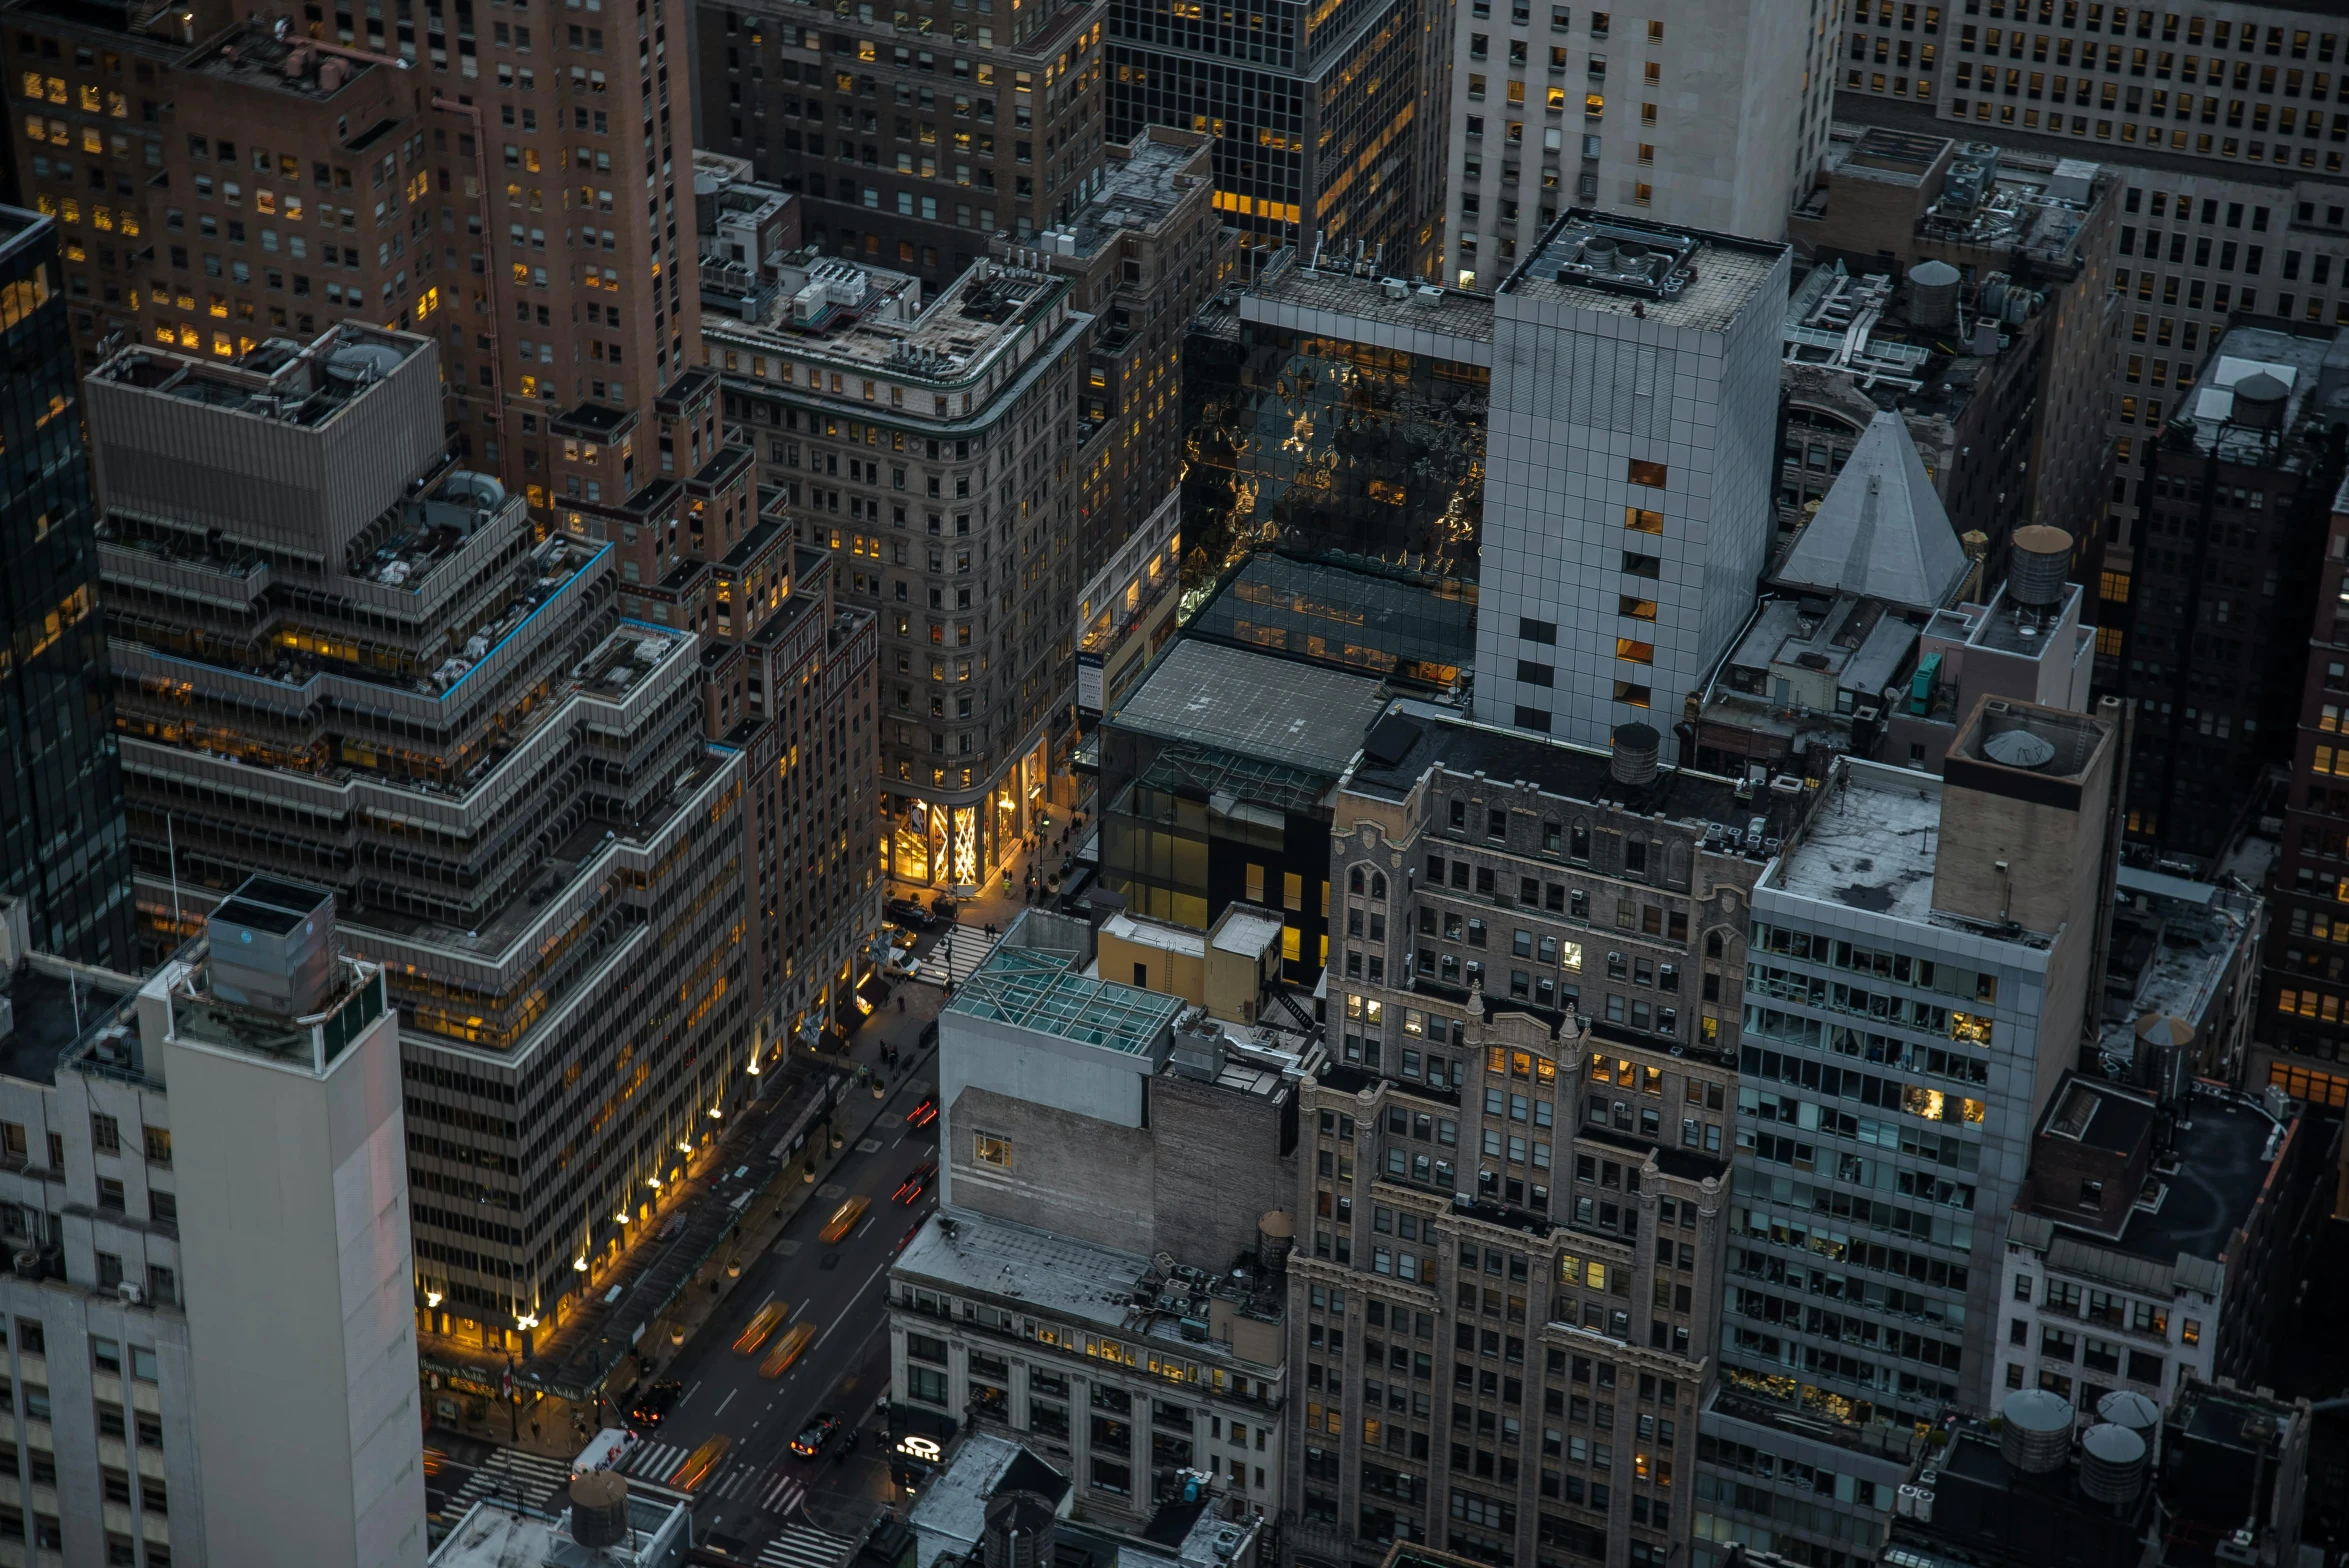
<point>835,1290</point>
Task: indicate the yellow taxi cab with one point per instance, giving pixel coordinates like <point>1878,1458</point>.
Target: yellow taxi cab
<point>844,1218</point>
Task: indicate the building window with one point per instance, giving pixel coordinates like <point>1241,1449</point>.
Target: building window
<point>991,1149</point>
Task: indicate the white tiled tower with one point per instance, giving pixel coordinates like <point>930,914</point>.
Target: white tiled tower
<point>1630,456</point>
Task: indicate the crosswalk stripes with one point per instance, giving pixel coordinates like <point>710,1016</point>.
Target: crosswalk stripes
<point>654,1461</point>
<point>798,1546</point>
<point>510,1473</point>
<point>783,1494</point>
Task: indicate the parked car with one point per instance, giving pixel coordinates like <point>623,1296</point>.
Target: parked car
<point>944,907</point>
<point>907,913</point>
<point>898,935</point>
<point>902,963</point>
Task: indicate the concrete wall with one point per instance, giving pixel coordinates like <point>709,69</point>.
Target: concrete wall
<point>295,1229</point>
<point>1070,1174</point>
<point>1219,1170</point>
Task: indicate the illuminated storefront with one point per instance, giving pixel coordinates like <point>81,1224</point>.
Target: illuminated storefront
<point>961,844</point>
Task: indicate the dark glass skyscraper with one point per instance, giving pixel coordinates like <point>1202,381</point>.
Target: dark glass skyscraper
<point>1321,115</point>
<point>63,842</point>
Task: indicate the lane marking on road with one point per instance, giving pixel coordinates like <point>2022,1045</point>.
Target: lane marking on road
<point>866,1226</point>
<point>689,1393</point>
<point>854,1297</point>
<point>762,1306</point>
<point>795,1312</point>
<point>723,1403</point>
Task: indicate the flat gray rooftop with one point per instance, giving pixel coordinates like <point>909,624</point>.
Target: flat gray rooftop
<point>1870,845</point>
<point>1255,704</point>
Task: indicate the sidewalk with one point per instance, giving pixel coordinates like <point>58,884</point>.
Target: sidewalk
<point>991,905</point>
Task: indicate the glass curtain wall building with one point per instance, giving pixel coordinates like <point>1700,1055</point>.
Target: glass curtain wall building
<point>1308,432</point>
<point>64,844</point>
<point>1316,112</point>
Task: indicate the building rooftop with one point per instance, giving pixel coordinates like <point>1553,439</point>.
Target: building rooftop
<point>496,1533</point>
<point>1142,183</point>
<point>1300,714</point>
<point>1323,294</point>
<point>1613,265</point>
<point>950,1514</point>
<point>2208,1168</point>
<point>834,315</point>
<point>2174,944</point>
<point>1381,620</point>
<point>1415,736</point>
<point>1042,989</point>
<point>272,56</point>
<point>1869,845</point>
<point>2306,377</point>
<point>47,1006</point>
<point>1881,532</point>
<point>282,380</point>
<point>1083,1284</point>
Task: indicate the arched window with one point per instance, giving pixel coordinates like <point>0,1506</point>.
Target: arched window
<point>1578,842</point>
<point>1378,884</point>
<point>1713,944</point>
<point>1354,880</point>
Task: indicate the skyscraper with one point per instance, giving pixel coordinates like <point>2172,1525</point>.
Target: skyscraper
<point>913,138</point>
<point>506,185</point>
<point>64,846</point>
<point>347,660</point>
<point>1319,114</point>
<point>1632,442</point>
<point>1697,115</point>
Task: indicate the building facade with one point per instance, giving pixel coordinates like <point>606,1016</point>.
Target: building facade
<point>2221,605</point>
<point>64,844</point>
<point>1510,1228</point>
<point>2303,1030</point>
<point>913,140</point>
<point>934,449</point>
<point>1865,1221</point>
<point>145,1332</point>
<point>1142,252</point>
<point>345,659</point>
<point>1623,534</point>
<point>1691,116</point>
<point>1320,116</point>
<point>505,185</point>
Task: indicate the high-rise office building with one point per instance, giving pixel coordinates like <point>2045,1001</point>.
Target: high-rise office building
<point>1693,115</point>
<point>1506,1286</point>
<point>2303,1026</point>
<point>913,138</point>
<point>934,449</point>
<point>1923,974</point>
<point>64,844</point>
<point>505,183</point>
<point>1632,458</point>
<point>209,1215</point>
<point>343,658</point>
<point>2215,642</point>
<point>1321,116</point>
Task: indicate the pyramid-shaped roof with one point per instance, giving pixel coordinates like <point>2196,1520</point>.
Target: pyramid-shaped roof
<point>1881,532</point>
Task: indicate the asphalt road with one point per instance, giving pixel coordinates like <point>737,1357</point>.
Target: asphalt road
<point>838,1289</point>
